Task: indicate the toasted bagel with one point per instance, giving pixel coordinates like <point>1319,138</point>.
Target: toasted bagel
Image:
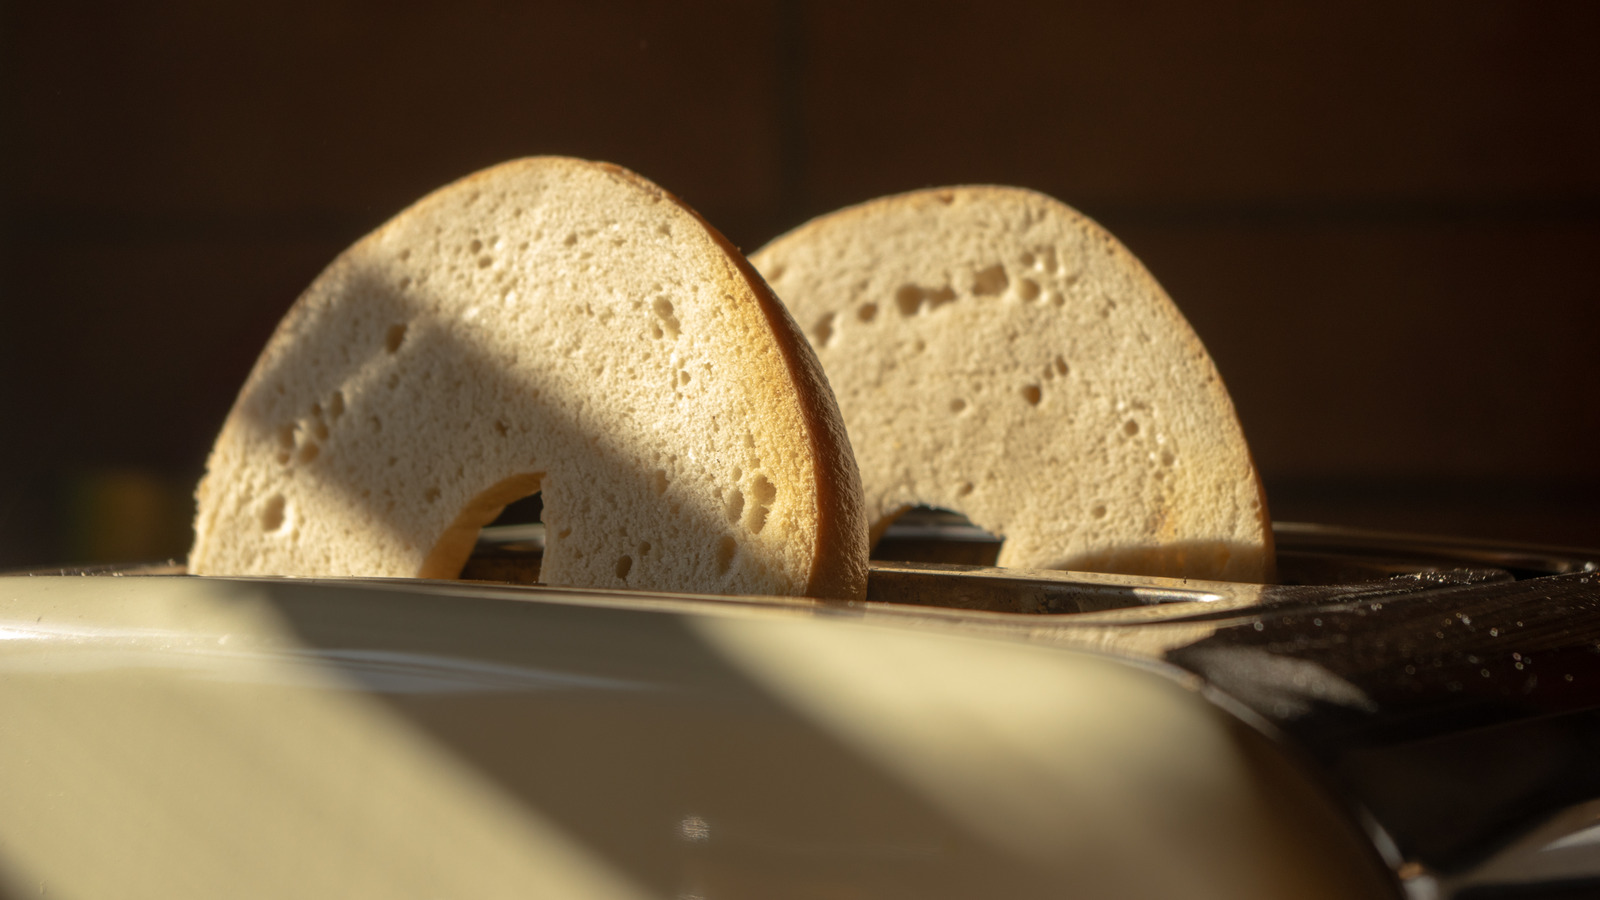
<point>996,353</point>
<point>548,325</point>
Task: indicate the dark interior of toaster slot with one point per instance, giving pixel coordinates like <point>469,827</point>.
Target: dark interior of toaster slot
<point>510,551</point>
<point>927,535</point>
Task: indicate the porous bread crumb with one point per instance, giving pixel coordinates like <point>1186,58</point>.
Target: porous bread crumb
<point>996,353</point>
<point>547,325</point>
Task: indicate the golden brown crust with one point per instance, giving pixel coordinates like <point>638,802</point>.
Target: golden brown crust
<point>842,542</point>
<point>840,571</point>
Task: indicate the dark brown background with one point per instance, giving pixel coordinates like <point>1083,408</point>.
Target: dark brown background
<point>1383,219</point>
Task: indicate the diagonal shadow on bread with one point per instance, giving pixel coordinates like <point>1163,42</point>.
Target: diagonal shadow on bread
<point>609,472</point>
<point>546,325</point>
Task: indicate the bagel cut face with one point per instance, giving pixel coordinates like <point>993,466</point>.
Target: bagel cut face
<point>996,353</point>
<point>548,325</point>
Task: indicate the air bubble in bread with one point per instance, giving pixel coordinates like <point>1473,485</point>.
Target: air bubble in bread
<point>531,328</point>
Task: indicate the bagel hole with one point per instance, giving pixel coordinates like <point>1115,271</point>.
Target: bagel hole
<point>498,536</point>
<point>521,512</point>
<point>932,534</point>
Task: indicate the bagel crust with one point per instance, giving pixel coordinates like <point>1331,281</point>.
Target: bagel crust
<point>996,353</point>
<point>548,325</point>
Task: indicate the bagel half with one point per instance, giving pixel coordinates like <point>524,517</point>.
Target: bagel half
<point>548,325</point>
<point>996,353</point>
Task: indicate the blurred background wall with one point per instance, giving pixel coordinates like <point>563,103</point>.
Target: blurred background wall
<point>1383,219</point>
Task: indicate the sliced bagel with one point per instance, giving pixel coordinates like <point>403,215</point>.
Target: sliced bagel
<point>547,325</point>
<point>996,353</point>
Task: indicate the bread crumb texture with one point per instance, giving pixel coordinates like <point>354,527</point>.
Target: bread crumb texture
<point>996,353</point>
<point>548,325</point>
